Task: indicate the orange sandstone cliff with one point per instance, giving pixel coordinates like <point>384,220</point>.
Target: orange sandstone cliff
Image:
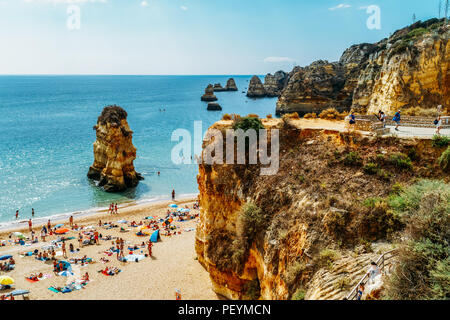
<point>309,230</point>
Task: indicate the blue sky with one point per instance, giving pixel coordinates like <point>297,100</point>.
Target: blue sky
<point>189,36</point>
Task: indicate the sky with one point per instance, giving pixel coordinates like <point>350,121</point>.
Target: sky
<point>190,37</point>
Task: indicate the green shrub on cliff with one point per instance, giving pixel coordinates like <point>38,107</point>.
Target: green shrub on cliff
<point>251,220</point>
<point>247,123</point>
<point>401,161</point>
<point>299,294</point>
<point>440,141</point>
<point>371,168</point>
<point>444,160</point>
<point>423,268</point>
<point>352,159</point>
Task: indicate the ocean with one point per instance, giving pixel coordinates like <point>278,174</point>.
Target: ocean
<point>46,130</point>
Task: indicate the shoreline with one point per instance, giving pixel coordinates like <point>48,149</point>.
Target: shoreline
<point>22,224</point>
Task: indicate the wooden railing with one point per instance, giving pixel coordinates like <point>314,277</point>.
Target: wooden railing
<point>382,263</point>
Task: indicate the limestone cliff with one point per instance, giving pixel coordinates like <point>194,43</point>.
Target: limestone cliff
<point>274,84</point>
<point>271,236</point>
<point>256,88</point>
<point>409,69</point>
<point>114,152</point>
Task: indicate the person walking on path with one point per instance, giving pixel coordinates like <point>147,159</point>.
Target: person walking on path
<point>397,119</point>
<point>438,123</point>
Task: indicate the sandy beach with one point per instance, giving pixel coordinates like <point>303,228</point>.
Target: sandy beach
<point>173,265</point>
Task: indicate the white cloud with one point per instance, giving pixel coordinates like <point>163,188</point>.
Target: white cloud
<point>278,59</point>
<point>184,8</point>
<point>144,3</point>
<point>340,6</point>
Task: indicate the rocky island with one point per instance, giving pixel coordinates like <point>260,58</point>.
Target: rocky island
<point>114,152</point>
<point>209,94</point>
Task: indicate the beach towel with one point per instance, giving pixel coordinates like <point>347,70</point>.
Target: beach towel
<point>31,280</point>
<point>53,289</point>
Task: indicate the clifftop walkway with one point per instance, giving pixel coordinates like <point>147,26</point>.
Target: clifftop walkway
<point>369,126</point>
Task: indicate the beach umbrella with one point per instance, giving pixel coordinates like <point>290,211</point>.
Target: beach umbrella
<point>173,205</point>
<point>66,273</point>
<point>6,281</point>
<point>6,257</point>
<point>59,225</point>
<point>61,231</point>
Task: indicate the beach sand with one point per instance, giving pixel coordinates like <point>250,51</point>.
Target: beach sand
<point>173,265</point>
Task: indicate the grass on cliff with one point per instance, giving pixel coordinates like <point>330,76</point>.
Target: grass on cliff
<point>423,268</point>
<point>444,160</point>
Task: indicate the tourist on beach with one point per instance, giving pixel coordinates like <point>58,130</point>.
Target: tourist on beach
<point>438,124</point>
<point>64,249</point>
<point>71,221</point>
<point>49,225</point>
<point>397,119</point>
<point>115,209</point>
<point>150,245</point>
<point>30,225</point>
<point>43,234</point>
<point>17,214</point>
<point>173,194</point>
<point>96,237</point>
<point>32,212</point>
<point>80,240</point>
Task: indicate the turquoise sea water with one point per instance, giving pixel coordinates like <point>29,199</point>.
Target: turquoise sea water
<point>46,136</point>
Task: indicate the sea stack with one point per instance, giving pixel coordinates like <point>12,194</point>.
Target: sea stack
<point>231,85</point>
<point>114,152</point>
<point>212,106</point>
<point>256,88</point>
<point>209,94</point>
<point>218,88</point>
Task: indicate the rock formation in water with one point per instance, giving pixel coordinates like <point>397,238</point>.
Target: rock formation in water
<point>231,85</point>
<point>218,88</point>
<point>409,69</point>
<point>209,94</point>
<point>212,106</point>
<point>114,152</point>
<point>312,229</point>
<point>256,88</point>
<point>274,84</point>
